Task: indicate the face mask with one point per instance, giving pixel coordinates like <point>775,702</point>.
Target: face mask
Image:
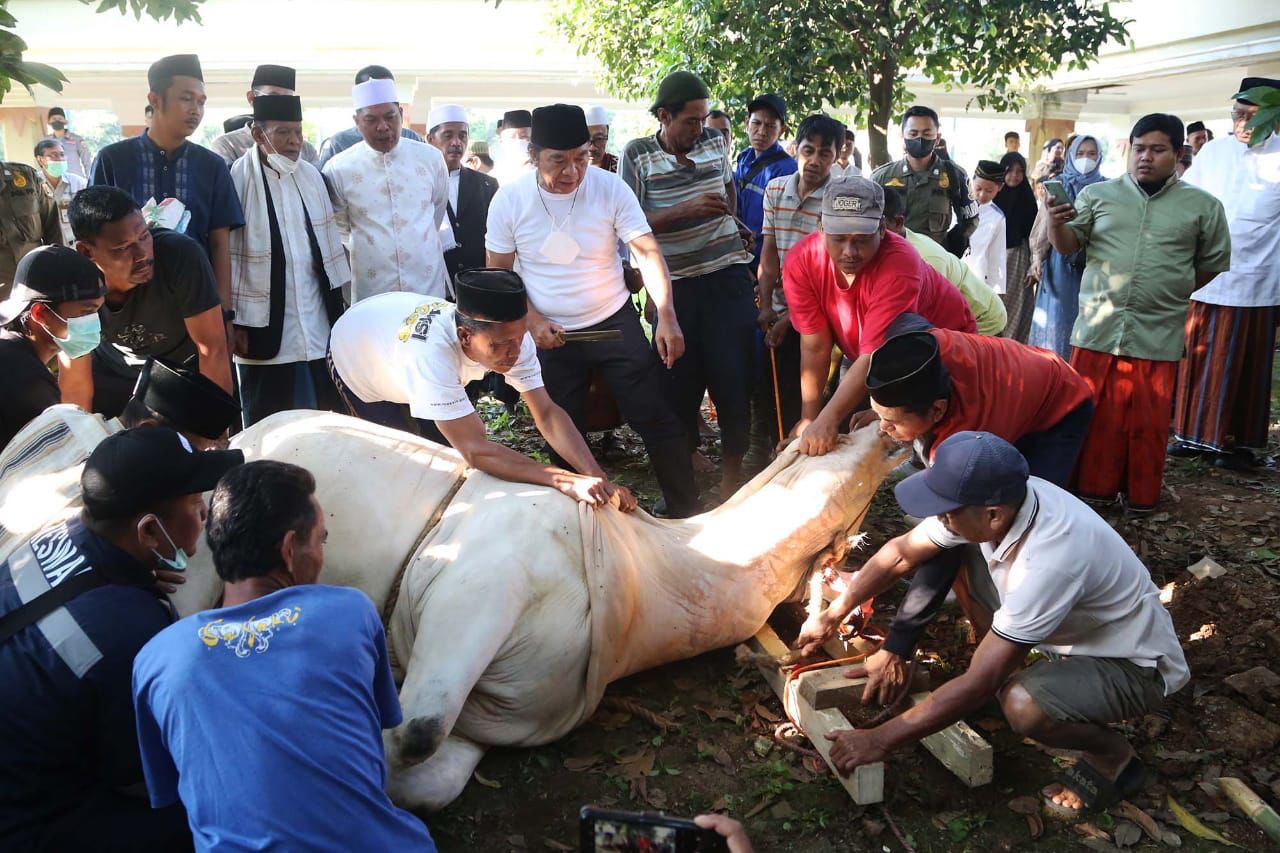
<point>58,125</point>
<point>281,163</point>
<point>83,335</point>
<point>559,248</point>
<point>56,168</point>
<point>920,147</point>
<point>1084,165</point>
<point>178,562</point>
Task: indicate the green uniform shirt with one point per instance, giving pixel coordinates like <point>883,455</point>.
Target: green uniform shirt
<point>28,218</point>
<point>1142,255</point>
<point>987,307</point>
<point>930,196</point>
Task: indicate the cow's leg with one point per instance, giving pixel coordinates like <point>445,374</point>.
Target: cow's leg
<point>433,784</point>
<point>470,619</point>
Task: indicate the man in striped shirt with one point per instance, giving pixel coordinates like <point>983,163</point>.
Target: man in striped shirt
<point>683,178</point>
<point>792,209</point>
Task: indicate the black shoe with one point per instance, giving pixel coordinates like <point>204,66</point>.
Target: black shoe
<point>660,510</point>
<point>1235,460</point>
<point>1182,450</point>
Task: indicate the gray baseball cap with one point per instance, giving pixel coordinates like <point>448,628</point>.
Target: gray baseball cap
<point>852,206</point>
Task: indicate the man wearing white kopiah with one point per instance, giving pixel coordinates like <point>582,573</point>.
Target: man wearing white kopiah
<point>390,196</point>
<point>403,361</point>
<point>563,221</point>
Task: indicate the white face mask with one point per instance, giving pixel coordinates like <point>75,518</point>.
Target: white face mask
<point>559,248</point>
<point>1084,165</point>
<point>281,163</point>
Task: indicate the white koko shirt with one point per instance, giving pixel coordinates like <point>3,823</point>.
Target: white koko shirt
<point>389,208</point>
<point>402,348</point>
<point>986,255</point>
<point>590,288</point>
<point>1247,182</point>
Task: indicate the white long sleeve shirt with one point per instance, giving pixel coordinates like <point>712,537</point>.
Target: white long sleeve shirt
<point>986,255</point>
<point>389,209</point>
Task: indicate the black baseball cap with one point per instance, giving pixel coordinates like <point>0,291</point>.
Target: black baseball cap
<point>769,101</point>
<point>969,469</point>
<point>52,274</point>
<point>132,471</point>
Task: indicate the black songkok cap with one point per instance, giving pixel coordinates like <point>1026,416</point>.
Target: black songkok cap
<point>135,470</point>
<point>1253,83</point>
<point>236,122</point>
<point>907,370</point>
<point>561,127</point>
<point>178,65</point>
<point>277,108</point>
<point>274,75</point>
<point>186,399</point>
<point>1195,127</point>
<point>516,118</point>
<point>491,294</point>
<point>990,170</point>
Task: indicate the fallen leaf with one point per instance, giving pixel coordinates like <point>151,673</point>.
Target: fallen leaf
<point>1088,830</point>
<point>552,844</point>
<point>1035,826</point>
<point>766,714</point>
<point>717,713</point>
<point>720,805</point>
<point>758,807</point>
<point>872,828</point>
<point>1127,834</point>
<point>1145,822</point>
<point>610,721</point>
<point>638,765</point>
<point>488,783</point>
<point>582,762</point>
<point>1024,805</point>
<point>721,756</point>
<point>1195,827</point>
<point>657,798</point>
<point>1170,838</point>
<point>762,746</point>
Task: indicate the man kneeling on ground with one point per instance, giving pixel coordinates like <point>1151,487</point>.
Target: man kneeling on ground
<point>265,716</point>
<point>1058,579</point>
<point>404,361</point>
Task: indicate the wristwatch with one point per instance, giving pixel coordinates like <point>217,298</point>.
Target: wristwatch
<point>228,315</point>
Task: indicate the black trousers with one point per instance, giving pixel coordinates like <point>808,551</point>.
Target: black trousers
<point>717,314</point>
<point>633,373</point>
<point>110,821</point>
<point>266,389</point>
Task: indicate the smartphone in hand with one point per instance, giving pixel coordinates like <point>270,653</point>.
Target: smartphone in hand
<point>1057,192</point>
<point>602,831</point>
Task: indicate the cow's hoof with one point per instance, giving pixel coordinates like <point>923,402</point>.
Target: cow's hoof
<point>418,739</point>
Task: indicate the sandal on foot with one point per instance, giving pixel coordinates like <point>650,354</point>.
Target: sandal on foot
<point>1095,791</point>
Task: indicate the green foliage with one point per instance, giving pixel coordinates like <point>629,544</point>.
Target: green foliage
<point>14,69</point>
<point>1265,120</point>
<point>852,56</point>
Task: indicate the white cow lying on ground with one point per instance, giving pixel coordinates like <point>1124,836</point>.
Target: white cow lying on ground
<point>518,606</point>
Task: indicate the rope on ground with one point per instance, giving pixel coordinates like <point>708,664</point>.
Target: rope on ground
<point>631,706</point>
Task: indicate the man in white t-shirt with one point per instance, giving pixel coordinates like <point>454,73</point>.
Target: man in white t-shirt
<point>403,360</point>
<point>562,224</point>
<point>1058,579</point>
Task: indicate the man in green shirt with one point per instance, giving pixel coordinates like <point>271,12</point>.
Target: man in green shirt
<point>1149,241</point>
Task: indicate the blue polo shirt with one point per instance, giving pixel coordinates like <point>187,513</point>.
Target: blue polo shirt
<point>194,176</point>
<point>266,719</point>
<point>751,195</point>
<point>67,711</point>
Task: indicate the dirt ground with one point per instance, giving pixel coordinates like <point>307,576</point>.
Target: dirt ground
<point>714,749</point>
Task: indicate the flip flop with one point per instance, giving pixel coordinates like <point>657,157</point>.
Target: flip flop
<point>1094,789</point>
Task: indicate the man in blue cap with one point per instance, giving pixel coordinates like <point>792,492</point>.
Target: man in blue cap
<point>1055,577</point>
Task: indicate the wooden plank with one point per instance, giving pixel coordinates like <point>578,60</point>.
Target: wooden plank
<point>960,749</point>
<point>828,688</point>
<point>866,784</point>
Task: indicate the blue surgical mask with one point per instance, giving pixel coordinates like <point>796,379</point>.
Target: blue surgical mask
<point>83,334</point>
<point>178,562</point>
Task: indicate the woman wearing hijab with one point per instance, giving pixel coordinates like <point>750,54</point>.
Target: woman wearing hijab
<point>1018,202</point>
<point>1058,299</point>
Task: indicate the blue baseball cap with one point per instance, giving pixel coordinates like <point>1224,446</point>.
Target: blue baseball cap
<point>969,469</point>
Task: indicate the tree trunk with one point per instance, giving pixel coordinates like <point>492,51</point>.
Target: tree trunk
<point>880,115</point>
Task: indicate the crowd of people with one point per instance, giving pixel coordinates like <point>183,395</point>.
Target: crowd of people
<point>1040,335</point>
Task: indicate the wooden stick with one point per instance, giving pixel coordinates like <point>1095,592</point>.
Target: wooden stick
<point>777,395</point>
<point>1252,806</point>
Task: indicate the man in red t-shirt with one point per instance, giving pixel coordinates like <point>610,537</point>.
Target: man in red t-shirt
<point>845,284</point>
<point>928,384</point>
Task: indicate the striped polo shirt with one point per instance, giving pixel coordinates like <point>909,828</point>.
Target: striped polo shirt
<point>788,219</point>
<point>660,181</point>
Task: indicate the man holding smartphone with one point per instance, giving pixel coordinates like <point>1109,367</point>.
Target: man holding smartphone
<point>1149,241</point>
